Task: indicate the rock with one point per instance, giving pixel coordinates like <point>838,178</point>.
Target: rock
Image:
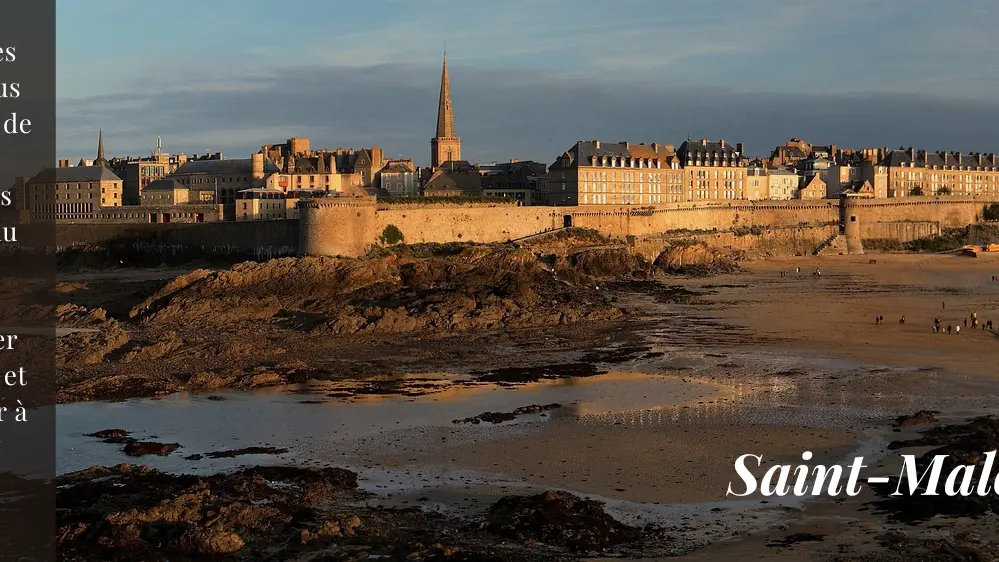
<point>500,417</point>
<point>921,417</point>
<point>98,337</point>
<point>558,519</point>
<point>697,258</point>
<point>246,451</point>
<point>143,448</point>
<point>480,287</point>
<point>117,436</point>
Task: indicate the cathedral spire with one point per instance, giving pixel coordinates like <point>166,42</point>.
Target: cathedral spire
<point>445,116</point>
<point>100,150</point>
<point>445,146</point>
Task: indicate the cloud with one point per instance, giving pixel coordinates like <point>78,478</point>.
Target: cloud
<point>500,114</point>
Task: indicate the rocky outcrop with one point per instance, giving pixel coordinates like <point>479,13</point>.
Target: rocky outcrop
<point>478,288</point>
<point>694,259</point>
<point>558,519</point>
<point>96,337</point>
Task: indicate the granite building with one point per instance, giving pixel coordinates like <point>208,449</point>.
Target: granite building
<point>713,170</point>
<point>624,173</point>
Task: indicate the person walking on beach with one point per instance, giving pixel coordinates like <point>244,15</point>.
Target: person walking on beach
<point>989,324</point>
<point>797,270</point>
<point>949,328</point>
<point>957,331</point>
<point>943,305</point>
<point>965,321</point>
<point>902,320</point>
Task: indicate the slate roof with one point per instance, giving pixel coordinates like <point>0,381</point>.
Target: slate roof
<point>165,184</point>
<point>583,152</point>
<point>75,174</point>
<point>781,172</point>
<point>691,151</point>
<point>232,166</point>
<point>941,158</point>
<point>397,168</point>
<point>444,180</point>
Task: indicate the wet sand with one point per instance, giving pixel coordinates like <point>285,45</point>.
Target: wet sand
<point>835,314</point>
<point>795,363</point>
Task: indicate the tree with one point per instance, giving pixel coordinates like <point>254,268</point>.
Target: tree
<point>991,212</point>
<point>391,235</point>
<point>916,191</point>
<point>943,191</point>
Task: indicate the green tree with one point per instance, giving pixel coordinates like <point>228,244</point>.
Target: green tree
<point>916,191</point>
<point>391,235</point>
<point>943,191</point>
<point>991,212</point>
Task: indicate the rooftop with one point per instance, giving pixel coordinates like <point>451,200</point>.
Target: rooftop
<point>75,174</point>
<point>234,166</point>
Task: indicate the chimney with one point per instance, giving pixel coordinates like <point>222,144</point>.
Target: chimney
<point>740,148</point>
<point>958,158</point>
<point>722,143</point>
<point>655,147</point>
<point>912,153</point>
<point>596,144</point>
<point>704,142</point>
<point>627,146</point>
<point>993,156</point>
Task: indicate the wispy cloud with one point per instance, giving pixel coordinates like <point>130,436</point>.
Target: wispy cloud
<point>505,114</point>
<point>528,77</point>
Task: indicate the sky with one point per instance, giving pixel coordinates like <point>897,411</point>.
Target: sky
<point>528,78</point>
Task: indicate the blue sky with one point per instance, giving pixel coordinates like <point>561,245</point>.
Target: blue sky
<point>529,78</point>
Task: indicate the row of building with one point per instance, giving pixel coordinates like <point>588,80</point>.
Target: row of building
<point>268,184</point>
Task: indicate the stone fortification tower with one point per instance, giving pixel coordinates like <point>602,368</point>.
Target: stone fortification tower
<point>851,226</point>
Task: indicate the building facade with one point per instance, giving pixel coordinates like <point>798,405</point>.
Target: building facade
<point>912,172</point>
<point>400,179</point>
<point>166,192</point>
<point>225,178</point>
<point>783,183</point>
<point>137,173</point>
<point>74,193</point>
<point>757,182</point>
<point>523,181</point>
<point>599,173</point>
<point>714,171</point>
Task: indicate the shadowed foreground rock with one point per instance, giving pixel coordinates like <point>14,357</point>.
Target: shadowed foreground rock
<point>964,444</point>
<point>560,519</point>
<point>128,513</point>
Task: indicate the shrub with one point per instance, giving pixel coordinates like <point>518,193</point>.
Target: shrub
<point>391,235</point>
<point>991,212</point>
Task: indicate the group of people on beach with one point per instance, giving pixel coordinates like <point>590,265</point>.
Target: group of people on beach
<point>969,321</point>
<point>972,321</point>
<point>797,272</point>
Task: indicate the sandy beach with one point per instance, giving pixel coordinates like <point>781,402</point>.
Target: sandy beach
<point>653,409</point>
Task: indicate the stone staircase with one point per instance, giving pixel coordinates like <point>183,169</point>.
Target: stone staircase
<point>833,246</point>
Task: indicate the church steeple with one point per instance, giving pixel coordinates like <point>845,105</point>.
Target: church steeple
<point>445,146</point>
<point>101,161</point>
<point>445,115</point>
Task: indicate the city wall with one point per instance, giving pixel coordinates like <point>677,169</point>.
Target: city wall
<point>351,226</point>
<point>785,241</point>
<point>902,231</point>
<point>270,238</point>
